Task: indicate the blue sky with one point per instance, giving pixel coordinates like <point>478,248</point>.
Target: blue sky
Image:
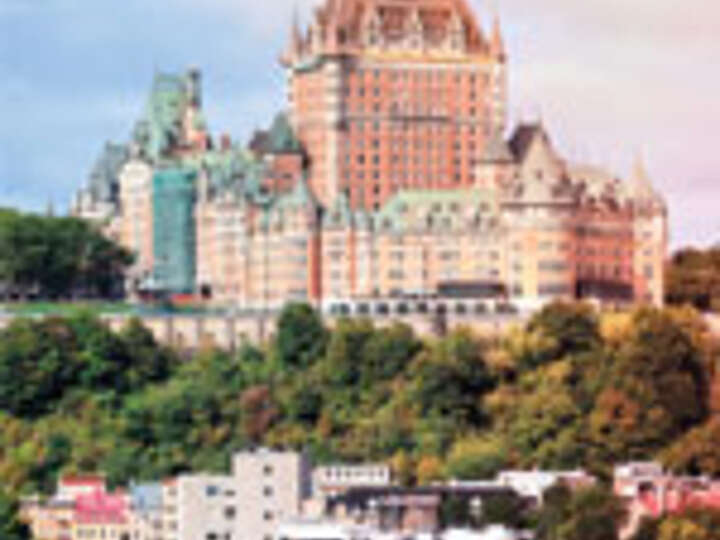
<point>609,77</point>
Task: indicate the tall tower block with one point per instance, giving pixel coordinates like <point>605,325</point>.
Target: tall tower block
<point>393,94</point>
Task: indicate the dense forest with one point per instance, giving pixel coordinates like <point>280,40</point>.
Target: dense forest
<point>572,388</point>
<point>693,277</point>
<point>45,257</point>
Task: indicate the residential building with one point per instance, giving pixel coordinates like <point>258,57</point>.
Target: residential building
<point>304,529</point>
<point>533,484</point>
<point>649,491</point>
<point>208,507</point>
<point>330,480</point>
<point>101,515</point>
<point>408,510</point>
<point>147,511</point>
<point>81,508</point>
<point>271,488</point>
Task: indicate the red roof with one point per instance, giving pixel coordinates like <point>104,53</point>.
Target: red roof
<point>99,508</point>
<point>83,480</point>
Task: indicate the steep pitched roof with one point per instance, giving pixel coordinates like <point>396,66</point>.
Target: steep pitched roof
<point>347,17</point>
<point>534,152</point>
<point>522,138</point>
<point>104,175</point>
<point>497,150</point>
<point>340,214</point>
<point>281,138</point>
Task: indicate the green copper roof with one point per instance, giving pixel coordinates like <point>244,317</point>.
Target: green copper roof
<point>160,128</point>
<point>340,214</point>
<point>300,198</point>
<point>281,138</point>
<point>103,180</point>
<point>435,209</point>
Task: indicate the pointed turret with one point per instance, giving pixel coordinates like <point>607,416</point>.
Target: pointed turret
<point>640,184</point>
<point>295,41</point>
<point>497,44</point>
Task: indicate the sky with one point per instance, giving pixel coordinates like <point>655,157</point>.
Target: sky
<point>611,79</point>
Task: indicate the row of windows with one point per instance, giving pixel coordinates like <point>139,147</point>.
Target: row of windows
<point>417,75</point>
<point>423,308</point>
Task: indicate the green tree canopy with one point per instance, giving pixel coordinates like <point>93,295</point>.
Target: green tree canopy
<point>300,338</point>
<point>51,257</point>
<point>10,526</point>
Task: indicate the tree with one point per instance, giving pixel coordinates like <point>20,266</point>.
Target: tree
<point>476,458</point>
<point>49,257</point>
<point>562,329</point>
<point>300,338</point>
<point>693,524</point>
<point>450,379</point>
<point>429,469</point>
<point>693,277</point>
<point>648,530</point>
<point>36,366</point>
<point>11,528</point>
<point>696,452</point>
<point>507,509</point>
<point>657,389</point>
<point>589,514</point>
<point>42,361</point>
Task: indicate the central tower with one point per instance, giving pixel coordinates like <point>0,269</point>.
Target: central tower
<point>394,94</point>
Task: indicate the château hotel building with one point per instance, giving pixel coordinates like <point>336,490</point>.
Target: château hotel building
<point>392,175</point>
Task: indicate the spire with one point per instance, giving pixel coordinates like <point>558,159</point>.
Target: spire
<point>640,181</point>
<point>295,34</point>
<point>497,44</point>
<point>295,42</point>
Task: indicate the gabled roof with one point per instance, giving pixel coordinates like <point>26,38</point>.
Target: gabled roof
<point>281,137</point>
<point>340,214</point>
<point>104,174</point>
<point>301,196</point>
<point>497,150</point>
<point>523,137</point>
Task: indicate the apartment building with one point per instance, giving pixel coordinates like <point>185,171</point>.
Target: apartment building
<point>330,480</point>
<point>649,491</point>
<point>271,488</point>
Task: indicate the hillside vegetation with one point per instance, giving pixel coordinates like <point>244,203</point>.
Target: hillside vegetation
<point>571,389</point>
<point>693,277</point>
